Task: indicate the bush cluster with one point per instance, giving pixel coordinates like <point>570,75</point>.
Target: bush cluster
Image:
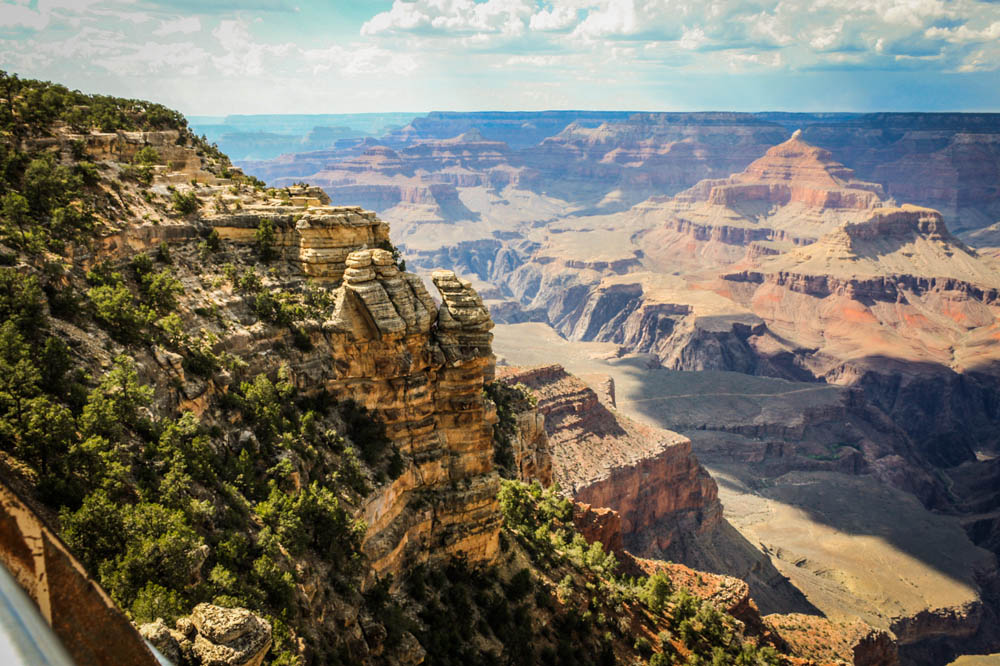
<point>33,106</point>
<point>43,204</point>
<point>541,521</point>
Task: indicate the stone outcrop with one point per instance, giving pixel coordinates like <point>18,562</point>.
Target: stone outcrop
<point>892,253</point>
<point>421,368</point>
<point>789,197</point>
<point>793,171</point>
<point>385,343</point>
<point>604,459</point>
<point>895,305</point>
<point>91,628</point>
<point>532,453</point>
<point>599,524</point>
<point>318,238</point>
<point>212,636</point>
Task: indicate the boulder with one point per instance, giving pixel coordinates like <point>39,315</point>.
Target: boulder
<point>229,636</point>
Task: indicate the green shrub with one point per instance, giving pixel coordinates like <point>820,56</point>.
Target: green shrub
<point>160,290</point>
<point>213,241</point>
<point>21,301</point>
<point>163,253</point>
<point>185,204</point>
<point>155,601</point>
<point>147,156</point>
<point>657,591</point>
<point>141,174</point>
<point>265,237</point>
<point>116,310</point>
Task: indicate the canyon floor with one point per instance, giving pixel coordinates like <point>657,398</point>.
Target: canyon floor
<point>851,544</point>
<point>977,660</point>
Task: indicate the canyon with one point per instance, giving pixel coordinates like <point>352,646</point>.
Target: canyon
<point>287,430</point>
<point>809,300</point>
<point>753,353</point>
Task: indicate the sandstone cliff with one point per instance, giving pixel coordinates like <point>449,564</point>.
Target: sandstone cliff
<point>605,459</point>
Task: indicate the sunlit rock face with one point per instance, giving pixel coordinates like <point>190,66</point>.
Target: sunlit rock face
<point>426,383</point>
<point>604,459</point>
<point>385,343</point>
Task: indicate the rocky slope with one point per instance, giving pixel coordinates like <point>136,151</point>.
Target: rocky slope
<point>605,459</point>
<point>894,296</point>
<point>665,505</point>
<point>329,498</point>
<point>90,627</point>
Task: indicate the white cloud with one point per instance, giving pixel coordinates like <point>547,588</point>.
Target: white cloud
<point>359,60</point>
<point>185,59</point>
<point>693,39</point>
<point>453,47</point>
<point>66,6</point>
<point>455,17</point>
<point>19,16</point>
<point>556,18</point>
<point>532,61</point>
<point>243,56</point>
<point>743,60</point>
<point>982,60</point>
<point>915,13</point>
<point>963,34</point>
<point>184,25</point>
<point>617,18</point>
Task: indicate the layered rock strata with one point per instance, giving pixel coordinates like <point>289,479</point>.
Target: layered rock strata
<point>532,450</point>
<point>893,252</point>
<point>605,459</point>
<point>421,368</point>
<point>899,307</point>
<point>793,171</point>
<point>316,238</point>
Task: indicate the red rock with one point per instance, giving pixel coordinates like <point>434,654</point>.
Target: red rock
<point>602,458</point>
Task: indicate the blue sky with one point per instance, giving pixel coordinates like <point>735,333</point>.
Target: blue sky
<point>214,57</point>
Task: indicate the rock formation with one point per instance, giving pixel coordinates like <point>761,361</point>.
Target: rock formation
<point>791,172</point>
<point>318,238</point>
<point>604,459</point>
<point>419,366</point>
<point>896,287</point>
<point>212,636</point>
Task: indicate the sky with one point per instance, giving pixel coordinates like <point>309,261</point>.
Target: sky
<point>218,57</point>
